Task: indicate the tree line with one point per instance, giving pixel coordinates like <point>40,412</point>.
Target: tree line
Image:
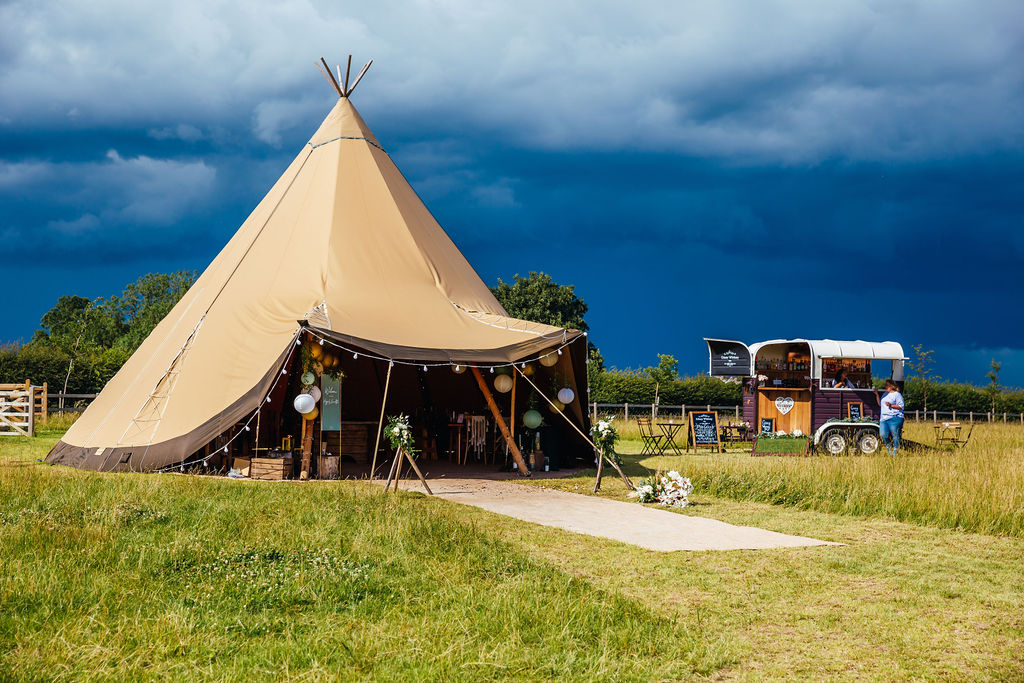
<point>82,343</point>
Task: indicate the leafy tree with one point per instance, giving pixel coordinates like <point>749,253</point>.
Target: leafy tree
<point>666,372</point>
<point>993,387</point>
<point>921,365</point>
<point>145,302</point>
<point>539,299</point>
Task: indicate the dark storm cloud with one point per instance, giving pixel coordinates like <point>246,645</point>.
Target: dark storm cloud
<point>846,169</point>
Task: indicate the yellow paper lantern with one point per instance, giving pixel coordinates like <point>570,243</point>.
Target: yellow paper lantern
<point>557,406</point>
<point>311,415</point>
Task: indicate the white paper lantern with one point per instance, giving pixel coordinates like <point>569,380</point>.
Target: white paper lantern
<point>503,383</point>
<point>566,395</point>
<point>304,403</point>
<point>549,360</point>
<point>315,393</point>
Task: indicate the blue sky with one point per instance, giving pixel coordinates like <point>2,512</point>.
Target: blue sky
<point>800,169</point>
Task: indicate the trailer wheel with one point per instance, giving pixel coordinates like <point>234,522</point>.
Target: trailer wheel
<point>835,442</point>
<point>868,442</point>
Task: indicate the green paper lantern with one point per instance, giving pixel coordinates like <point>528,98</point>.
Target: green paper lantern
<point>532,419</point>
<point>308,378</point>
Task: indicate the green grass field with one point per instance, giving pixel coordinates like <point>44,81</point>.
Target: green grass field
<point>170,576</point>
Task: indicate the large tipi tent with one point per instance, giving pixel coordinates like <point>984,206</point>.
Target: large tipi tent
<point>340,245</point>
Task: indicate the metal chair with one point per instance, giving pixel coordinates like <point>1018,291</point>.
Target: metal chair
<point>961,443</point>
<point>651,441</point>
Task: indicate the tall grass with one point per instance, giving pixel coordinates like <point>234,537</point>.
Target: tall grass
<point>979,488</point>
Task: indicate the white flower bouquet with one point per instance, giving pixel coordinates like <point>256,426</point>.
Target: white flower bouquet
<point>671,490</point>
<point>605,437</point>
<point>399,434</point>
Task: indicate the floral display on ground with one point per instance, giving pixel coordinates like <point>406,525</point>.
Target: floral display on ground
<point>671,490</point>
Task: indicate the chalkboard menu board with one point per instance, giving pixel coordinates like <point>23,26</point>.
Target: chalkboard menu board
<point>704,429</point>
<point>767,425</point>
<point>855,410</point>
<point>729,358</point>
<point>330,404</point>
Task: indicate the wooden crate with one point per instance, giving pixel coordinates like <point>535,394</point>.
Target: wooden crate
<point>272,469</point>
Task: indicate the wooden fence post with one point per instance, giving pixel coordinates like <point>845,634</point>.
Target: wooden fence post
<point>935,416</point>
<point>737,412</point>
<point>31,414</point>
<point>954,416</point>
<point>972,416</point>
<point>1004,418</point>
<point>46,403</point>
<point>627,412</point>
<point>917,416</point>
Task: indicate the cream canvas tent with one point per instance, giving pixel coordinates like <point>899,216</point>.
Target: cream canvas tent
<point>340,245</point>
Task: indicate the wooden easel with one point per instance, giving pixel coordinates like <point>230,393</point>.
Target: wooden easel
<point>396,471</point>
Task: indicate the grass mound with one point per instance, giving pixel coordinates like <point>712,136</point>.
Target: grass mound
<point>127,576</point>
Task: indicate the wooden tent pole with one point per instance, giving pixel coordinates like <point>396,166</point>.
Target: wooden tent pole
<point>516,455</point>
<point>600,471</point>
<point>380,422</point>
<point>622,474</point>
<point>348,70</point>
<point>512,416</point>
<point>331,78</point>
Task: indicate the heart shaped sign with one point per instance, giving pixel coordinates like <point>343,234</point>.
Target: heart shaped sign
<point>784,404</point>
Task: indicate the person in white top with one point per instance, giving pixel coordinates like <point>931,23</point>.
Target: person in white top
<point>890,423</point>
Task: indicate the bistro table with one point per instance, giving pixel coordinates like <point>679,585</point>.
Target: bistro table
<point>947,433</point>
<point>670,429</point>
<point>735,433</point>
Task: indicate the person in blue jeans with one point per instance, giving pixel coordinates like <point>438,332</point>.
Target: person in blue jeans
<point>890,423</point>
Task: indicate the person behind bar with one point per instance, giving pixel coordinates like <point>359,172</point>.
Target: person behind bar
<point>842,381</point>
<point>890,423</point>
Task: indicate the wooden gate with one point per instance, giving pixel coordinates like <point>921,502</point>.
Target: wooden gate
<point>21,407</point>
<point>17,414</point>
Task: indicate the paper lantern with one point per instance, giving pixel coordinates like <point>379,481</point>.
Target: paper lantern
<point>532,419</point>
<point>557,406</point>
<point>549,360</point>
<point>566,395</point>
<point>316,351</point>
<point>458,369</point>
<point>503,383</point>
<point>315,393</point>
<point>528,370</point>
<point>308,378</point>
<point>304,403</point>
<point>311,415</point>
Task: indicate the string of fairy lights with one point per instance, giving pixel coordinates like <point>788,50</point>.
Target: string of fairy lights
<point>321,340</point>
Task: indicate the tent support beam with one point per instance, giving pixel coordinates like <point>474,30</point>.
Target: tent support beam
<point>597,484</point>
<point>516,455</point>
<point>326,71</point>
<point>399,455</point>
<point>380,422</point>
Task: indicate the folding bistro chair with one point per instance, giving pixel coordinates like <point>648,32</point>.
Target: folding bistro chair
<point>652,441</point>
<point>962,442</point>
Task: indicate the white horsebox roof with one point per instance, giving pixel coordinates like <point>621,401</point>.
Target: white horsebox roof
<point>830,348</point>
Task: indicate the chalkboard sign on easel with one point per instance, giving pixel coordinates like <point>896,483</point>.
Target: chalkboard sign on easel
<point>855,410</point>
<point>703,430</point>
<point>767,425</point>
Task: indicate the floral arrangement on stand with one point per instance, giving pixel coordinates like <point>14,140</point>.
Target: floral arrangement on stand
<point>399,434</point>
<point>605,437</point>
<point>671,490</point>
